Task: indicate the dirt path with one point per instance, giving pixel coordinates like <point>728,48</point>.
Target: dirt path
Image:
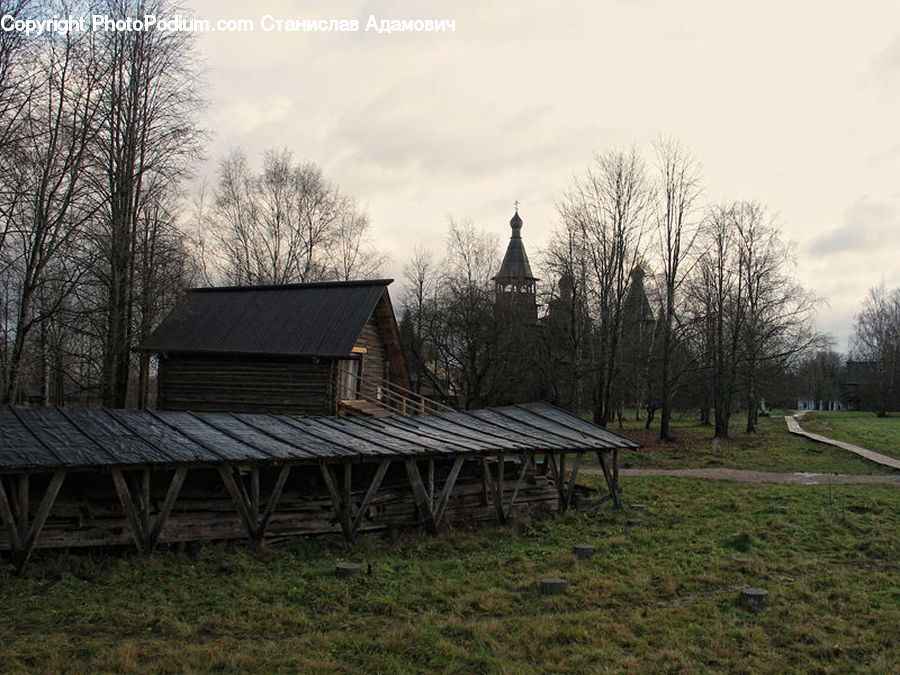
<point>793,425</point>
<point>745,476</point>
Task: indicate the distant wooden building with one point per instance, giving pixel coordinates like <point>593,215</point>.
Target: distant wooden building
<point>517,377</point>
<point>301,348</point>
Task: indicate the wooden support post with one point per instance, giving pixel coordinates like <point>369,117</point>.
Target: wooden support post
<point>131,513</point>
<point>611,476</point>
<point>501,484</point>
<point>272,502</point>
<point>617,494</point>
<point>420,496</point>
<point>348,483</point>
<point>449,484</point>
<point>431,481</point>
<point>145,499</point>
<point>9,519</point>
<point>40,517</point>
<point>144,530</point>
<point>558,481</point>
<point>526,461</point>
<point>492,488</point>
<point>341,508</point>
<point>370,494</point>
<point>254,494</point>
<point>24,533</point>
<point>570,493</point>
<point>238,499</point>
<point>166,510</point>
<point>24,498</point>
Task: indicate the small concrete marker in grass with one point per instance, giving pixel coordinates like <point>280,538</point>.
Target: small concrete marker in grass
<point>634,522</point>
<point>553,586</point>
<point>743,560</point>
<point>638,507</point>
<point>754,598</point>
<point>347,569</point>
<point>583,551</point>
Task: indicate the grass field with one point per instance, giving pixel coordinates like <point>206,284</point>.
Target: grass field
<point>772,448</point>
<point>881,434</point>
<point>658,597</point>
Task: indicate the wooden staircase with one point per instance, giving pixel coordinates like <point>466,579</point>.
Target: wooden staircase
<point>380,398</point>
<point>358,407</point>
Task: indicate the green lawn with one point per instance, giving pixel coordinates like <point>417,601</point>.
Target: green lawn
<point>771,448</point>
<point>881,434</point>
<point>657,597</point>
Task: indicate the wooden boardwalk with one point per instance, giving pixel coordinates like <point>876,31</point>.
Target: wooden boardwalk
<point>793,425</point>
<point>748,476</point>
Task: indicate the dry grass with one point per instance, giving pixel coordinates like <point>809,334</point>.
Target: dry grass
<point>660,597</point>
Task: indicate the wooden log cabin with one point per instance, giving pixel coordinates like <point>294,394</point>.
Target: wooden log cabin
<point>314,349</point>
<point>246,442</point>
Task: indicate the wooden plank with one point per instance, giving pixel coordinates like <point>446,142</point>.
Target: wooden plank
<point>145,500</point>
<point>131,514</point>
<point>611,480</point>
<point>526,462</point>
<point>163,516</point>
<point>40,517</point>
<point>420,496</point>
<point>570,493</point>
<point>370,494</point>
<point>254,494</point>
<point>24,507</point>
<point>492,488</point>
<point>272,502</point>
<point>348,491</point>
<point>238,499</point>
<point>617,494</point>
<point>449,484</point>
<point>12,526</point>
<point>340,509</point>
<point>550,459</point>
<point>501,484</point>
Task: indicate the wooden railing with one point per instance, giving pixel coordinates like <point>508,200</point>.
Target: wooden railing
<point>396,399</point>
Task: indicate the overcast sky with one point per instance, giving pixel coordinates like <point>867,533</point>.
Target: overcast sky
<point>794,104</point>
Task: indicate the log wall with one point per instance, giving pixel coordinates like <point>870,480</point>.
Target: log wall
<point>247,384</point>
<point>88,513</point>
<point>374,363</point>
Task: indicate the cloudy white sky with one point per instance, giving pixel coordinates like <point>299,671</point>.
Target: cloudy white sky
<point>794,104</point>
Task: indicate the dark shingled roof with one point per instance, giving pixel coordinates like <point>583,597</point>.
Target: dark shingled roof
<point>321,319</point>
<point>515,265</point>
<point>52,438</point>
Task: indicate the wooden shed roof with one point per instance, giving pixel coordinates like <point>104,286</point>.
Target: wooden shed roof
<point>52,438</point>
<point>320,319</point>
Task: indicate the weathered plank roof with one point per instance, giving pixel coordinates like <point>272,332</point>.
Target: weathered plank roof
<point>321,319</point>
<point>49,438</point>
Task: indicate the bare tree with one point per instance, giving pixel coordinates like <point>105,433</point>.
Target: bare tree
<point>876,342</point>
<point>716,314</point>
<point>751,320</point>
<point>287,224</point>
<point>677,192</point>
<point>353,254</point>
<point>416,323</point>
<point>148,138</point>
<point>778,312</point>
<point>452,309</point>
<point>569,364</point>
<point>45,200</point>
<point>606,213</point>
